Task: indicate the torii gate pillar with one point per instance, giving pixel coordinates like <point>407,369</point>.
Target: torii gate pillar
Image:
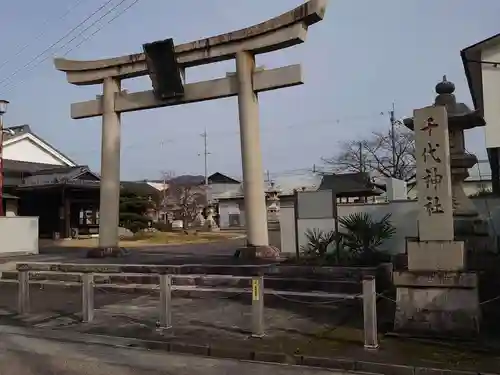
<point>251,156</point>
<point>110,168</point>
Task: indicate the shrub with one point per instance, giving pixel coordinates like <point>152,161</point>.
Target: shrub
<point>363,237</point>
<point>318,242</point>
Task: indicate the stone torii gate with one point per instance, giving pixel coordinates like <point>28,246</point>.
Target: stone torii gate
<point>277,33</point>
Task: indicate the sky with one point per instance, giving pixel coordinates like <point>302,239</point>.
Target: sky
<point>361,58</point>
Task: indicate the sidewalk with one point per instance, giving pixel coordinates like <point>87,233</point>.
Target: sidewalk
<point>23,354</point>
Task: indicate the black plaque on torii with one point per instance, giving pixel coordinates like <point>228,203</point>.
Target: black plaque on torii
<point>164,71</point>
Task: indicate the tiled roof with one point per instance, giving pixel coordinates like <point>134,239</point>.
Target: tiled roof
<point>187,180</point>
<point>140,188</point>
<point>23,174</point>
<point>55,175</point>
<point>219,178</point>
<point>350,185</point>
<point>17,130</point>
<point>24,166</point>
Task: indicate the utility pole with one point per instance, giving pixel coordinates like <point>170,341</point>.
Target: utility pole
<point>361,161</point>
<point>164,200</point>
<point>166,177</point>
<point>393,140</point>
<point>205,154</point>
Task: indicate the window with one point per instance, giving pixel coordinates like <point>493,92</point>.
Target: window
<point>89,217</point>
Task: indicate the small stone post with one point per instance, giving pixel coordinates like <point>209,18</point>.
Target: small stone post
<point>165,301</point>
<point>23,296</point>
<point>370,313</point>
<point>258,306</point>
<point>87,297</point>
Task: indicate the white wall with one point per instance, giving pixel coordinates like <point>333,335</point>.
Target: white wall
<point>491,97</point>
<point>26,150</point>
<point>325,225</point>
<point>404,218</point>
<point>226,209</point>
<point>19,235</point>
<point>217,190</point>
<point>287,227</point>
<point>157,185</point>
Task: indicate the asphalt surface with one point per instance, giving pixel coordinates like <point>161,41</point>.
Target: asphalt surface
<point>22,355</point>
<point>207,253</point>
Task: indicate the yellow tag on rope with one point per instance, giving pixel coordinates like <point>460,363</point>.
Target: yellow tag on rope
<point>255,290</point>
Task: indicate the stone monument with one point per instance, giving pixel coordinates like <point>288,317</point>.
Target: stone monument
<point>437,295</point>
<point>166,65</point>
<point>469,225</point>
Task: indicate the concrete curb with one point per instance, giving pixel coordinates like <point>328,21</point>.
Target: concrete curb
<point>216,351</point>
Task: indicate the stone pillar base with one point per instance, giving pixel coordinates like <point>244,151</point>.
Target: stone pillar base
<point>258,252</point>
<point>107,252</point>
<point>437,303</point>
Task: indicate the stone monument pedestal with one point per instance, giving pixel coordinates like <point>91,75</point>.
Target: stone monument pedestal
<point>437,303</point>
<point>441,302</point>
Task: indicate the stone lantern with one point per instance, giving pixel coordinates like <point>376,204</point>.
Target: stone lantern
<point>469,226</point>
<point>210,224</point>
<point>273,203</point>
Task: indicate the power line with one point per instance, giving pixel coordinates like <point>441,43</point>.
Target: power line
<point>100,28</point>
<point>49,21</point>
<point>96,150</point>
<point>307,124</point>
<point>56,43</point>
<point>87,28</point>
<point>293,127</point>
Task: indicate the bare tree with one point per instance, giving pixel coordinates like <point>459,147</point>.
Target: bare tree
<point>184,200</point>
<point>375,155</point>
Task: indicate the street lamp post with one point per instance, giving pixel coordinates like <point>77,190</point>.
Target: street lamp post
<point>3,108</point>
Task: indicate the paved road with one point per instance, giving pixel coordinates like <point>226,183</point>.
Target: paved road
<point>21,355</point>
<point>209,253</point>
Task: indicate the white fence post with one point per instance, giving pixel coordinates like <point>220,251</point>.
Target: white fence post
<point>87,297</point>
<point>23,292</point>
<point>258,306</point>
<point>370,313</point>
<point>165,301</point>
